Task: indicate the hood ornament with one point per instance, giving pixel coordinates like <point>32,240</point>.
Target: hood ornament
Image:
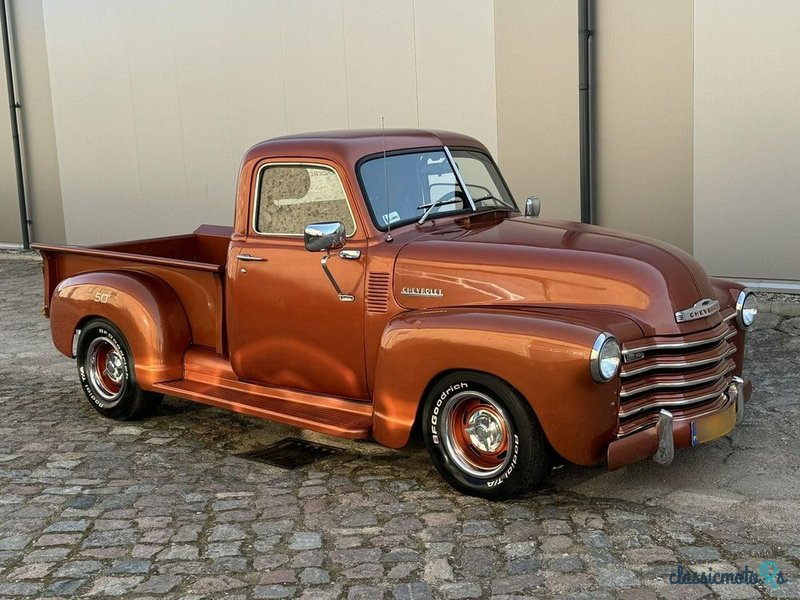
<point>701,309</point>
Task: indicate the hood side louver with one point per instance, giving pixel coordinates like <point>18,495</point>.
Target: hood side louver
<point>378,292</point>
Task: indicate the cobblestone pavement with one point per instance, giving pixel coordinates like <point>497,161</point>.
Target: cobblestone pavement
<point>162,508</point>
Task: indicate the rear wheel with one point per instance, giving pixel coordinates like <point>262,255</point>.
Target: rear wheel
<point>483,437</point>
<point>105,368</point>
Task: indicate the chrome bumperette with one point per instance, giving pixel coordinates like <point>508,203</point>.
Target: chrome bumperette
<point>666,442</point>
<point>737,388</point>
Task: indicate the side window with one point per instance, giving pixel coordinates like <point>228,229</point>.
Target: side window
<point>293,196</point>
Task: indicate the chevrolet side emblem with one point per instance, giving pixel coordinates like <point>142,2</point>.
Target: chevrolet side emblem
<point>702,308</point>
<point>422,292</point>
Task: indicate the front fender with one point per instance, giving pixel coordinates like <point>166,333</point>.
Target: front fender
<point>545,359</point>
<point>143,307</point>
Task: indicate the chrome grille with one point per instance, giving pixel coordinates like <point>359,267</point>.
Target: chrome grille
<point>686,375</point>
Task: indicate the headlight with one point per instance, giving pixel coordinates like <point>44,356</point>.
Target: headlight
<point>746,308</point>
<point>605,358</point>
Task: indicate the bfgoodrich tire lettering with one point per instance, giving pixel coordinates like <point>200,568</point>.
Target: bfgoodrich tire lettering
<point>107,376</point>
<point>483,437</point>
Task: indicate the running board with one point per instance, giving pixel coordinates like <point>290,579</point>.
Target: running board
<point>333,416</point>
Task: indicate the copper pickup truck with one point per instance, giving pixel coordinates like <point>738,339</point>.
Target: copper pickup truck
<point>439,306</point>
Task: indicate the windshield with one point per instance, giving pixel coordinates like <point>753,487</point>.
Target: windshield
<point>423,182</point>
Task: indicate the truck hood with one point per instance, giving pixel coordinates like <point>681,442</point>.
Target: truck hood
<point>553,265</point>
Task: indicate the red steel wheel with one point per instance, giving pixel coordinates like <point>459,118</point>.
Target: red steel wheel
<point>475,432</point>
<point>106,369</point>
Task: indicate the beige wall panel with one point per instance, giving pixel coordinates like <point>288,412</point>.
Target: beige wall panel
<point>36,123</point>
<point>747,138</point>
<point>9,211</point>
<point>456,67</point>
<point>256,103</point>
<point>155,96</point>
<point>644,117</point>
<point>316,80</point>
<point>537,102</point>
<point>381,65</point>
<point>94,121</point>
<point>152,125</point>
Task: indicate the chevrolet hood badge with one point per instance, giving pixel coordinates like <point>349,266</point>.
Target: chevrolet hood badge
<point>702,308</point>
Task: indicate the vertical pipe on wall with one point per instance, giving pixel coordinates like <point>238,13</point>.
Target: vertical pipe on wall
<point>13,106</point>
<point>585,104</point>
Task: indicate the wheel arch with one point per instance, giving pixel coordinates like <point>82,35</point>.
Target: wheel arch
<point>143,307</point>
<point>544,360</point>
<point>415,427</point>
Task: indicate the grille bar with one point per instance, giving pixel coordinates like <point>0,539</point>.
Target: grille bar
<point>720,332</point>
<point>649,419</point>
<point>659,401</point>
<point>719,353</point>
<point>678,380</point>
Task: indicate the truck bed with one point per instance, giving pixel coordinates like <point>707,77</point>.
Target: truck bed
<point>193,265</point>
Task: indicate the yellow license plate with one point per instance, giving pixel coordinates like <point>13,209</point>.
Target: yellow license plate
<point>714,426</point>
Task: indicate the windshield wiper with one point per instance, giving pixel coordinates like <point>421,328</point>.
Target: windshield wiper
<point>493,197</point>
<point>431,205</point>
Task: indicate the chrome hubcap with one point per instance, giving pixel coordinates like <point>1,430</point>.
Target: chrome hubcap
<point>114,368</point>
<point>105,370</point>
<point>485,431</point>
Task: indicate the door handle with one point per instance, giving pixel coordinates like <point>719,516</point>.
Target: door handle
<point>248,257</point>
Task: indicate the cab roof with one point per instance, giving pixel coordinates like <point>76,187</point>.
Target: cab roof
<point>348,146</point>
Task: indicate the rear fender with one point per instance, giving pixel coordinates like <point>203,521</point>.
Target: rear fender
<point>143,307</point>
<point>545,359</point>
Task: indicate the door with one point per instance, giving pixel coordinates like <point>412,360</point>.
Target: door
<point>287,326</point>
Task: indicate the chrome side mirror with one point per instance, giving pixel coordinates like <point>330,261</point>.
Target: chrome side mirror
<point>320,237</point>
<point>324,237</point>
<point>533,206</point>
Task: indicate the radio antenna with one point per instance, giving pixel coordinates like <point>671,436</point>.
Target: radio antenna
<point>389,237</point>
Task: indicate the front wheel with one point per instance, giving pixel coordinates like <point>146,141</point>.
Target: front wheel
<point>483,437</point>
<point>105,368</point>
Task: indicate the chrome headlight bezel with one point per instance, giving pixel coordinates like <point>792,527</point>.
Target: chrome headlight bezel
<point>745,313</point>
<point>605,351</point>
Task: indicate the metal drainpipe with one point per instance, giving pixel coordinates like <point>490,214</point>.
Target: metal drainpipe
<point>588,210</point>
<point>14,106</point>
